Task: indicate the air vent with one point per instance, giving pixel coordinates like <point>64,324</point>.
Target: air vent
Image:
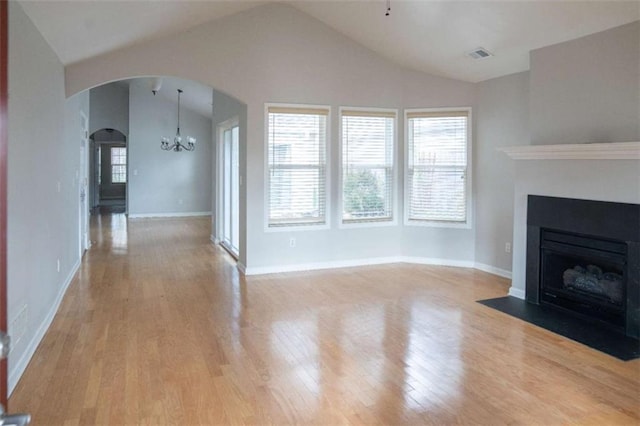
<point>480,53</point>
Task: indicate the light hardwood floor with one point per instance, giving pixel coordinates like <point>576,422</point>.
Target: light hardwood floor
<point>159,327</point>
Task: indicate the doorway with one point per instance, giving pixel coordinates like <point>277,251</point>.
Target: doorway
<point>83,179</point>
<point>109,170</point>
<point>229,146</point>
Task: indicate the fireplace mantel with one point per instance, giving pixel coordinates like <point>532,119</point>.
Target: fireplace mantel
<point>586,151</point>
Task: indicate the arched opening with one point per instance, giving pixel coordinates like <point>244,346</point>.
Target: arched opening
<point>108,171</point>
<point>130,118</point>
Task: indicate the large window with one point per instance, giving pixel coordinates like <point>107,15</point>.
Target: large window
<point>437,158</point>
<point>367,165</point>
<point>118,165</point>
<point>296,157</point>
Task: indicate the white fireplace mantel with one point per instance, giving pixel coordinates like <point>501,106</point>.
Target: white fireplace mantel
<point>586,151</point>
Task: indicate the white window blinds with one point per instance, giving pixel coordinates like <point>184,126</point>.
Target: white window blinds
<point>118,165</point>
<point>297,140</point>
<point>437,166</point>
<point>367,166</point>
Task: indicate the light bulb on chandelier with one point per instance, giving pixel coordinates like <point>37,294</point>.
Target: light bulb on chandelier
<point>178,145</point>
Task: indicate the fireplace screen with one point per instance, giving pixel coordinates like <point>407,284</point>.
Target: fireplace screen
<point>588,278</point>
<point>583,274</point>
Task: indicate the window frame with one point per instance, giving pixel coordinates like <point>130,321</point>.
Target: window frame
<point>291,227</point>
<point>394,172</point>
<point>467,224</point>
<point>126,164</point>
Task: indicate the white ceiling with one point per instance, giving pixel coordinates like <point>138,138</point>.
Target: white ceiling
<point>428,36</point>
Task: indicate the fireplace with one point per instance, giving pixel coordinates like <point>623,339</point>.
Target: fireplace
<point>583,257</point>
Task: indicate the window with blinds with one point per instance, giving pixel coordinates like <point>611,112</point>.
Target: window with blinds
<point>296,176</point>
<point>367,165</point>
<point>118,165</point>
<point>437,147</point>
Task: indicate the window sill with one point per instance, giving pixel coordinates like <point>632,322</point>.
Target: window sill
<point>434,224</point>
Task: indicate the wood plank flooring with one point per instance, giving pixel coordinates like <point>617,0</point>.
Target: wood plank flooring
<point>159,327</point>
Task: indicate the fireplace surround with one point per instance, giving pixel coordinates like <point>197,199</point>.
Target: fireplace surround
<point>583,257</point>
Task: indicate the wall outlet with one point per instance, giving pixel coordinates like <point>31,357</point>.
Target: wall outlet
<point>58,265</point>
<point>507,247</point>
<point>292,242</point>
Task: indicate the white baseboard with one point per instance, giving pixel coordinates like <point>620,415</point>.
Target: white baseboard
<point>437,261</point>
<point>261,270</point>
<point>493,270</point>
<point>18,368</point>
<point>213,239</point>
<point>517,292</point>
<point>176,214</point>
<point>242,268</point>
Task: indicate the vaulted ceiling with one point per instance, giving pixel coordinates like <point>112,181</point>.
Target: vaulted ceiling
<point>428,36</point>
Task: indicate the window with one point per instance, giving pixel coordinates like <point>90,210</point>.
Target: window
<point>118,165</point>
<point>437,158</point>
<point>296,158</point>
<point>367,165</point>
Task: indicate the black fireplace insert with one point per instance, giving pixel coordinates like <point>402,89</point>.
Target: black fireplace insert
<point>583,257</point>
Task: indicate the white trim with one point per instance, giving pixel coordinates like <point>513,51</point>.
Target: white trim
<point>261,270</point>
<point>241,268</point>
<point>327,191</point>
<point>176,214</point>
<point>585,151</point>
<point>219,181</point>
<point>516,292</point>
<point>395,165</point>
<point>21,365</point>
<point>492,270</point>
<point>438,261</point>
<point>214,240</point>
<point>468,223</point>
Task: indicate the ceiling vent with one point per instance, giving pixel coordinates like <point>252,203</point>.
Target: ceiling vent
<point>480,53</point>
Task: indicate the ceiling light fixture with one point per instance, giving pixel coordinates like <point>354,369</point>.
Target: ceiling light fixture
<point>156,84</point>
<point>177,140</point>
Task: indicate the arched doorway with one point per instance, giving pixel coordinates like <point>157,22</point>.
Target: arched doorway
<point>108,173</point>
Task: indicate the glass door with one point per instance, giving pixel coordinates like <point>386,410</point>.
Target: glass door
<point>230,188</point>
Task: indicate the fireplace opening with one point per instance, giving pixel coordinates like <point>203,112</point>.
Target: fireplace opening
<point>585,275</point>
<point>583,258</point>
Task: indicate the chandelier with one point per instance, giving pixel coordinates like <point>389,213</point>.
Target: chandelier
<point>178,145</point>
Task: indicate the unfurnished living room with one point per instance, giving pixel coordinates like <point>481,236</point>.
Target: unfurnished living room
<point>320,212</point>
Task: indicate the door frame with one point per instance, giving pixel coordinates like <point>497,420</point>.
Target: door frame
<point>4,140</point>
<point>83,184</point>
<point>219,222</point>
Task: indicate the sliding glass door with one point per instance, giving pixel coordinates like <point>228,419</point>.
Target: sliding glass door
<point>230,187</point>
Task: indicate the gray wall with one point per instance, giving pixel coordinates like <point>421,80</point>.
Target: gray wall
<point>110,108</point>
<point>502,119</point>
<point>588,89</point>
<point>166,182</point>
<point>274,53</point>
<point>43,221</point>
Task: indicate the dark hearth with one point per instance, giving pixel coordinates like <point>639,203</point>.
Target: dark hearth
<point>583,257</point>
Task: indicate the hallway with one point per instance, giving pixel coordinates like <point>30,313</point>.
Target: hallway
<point>158,327</point>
